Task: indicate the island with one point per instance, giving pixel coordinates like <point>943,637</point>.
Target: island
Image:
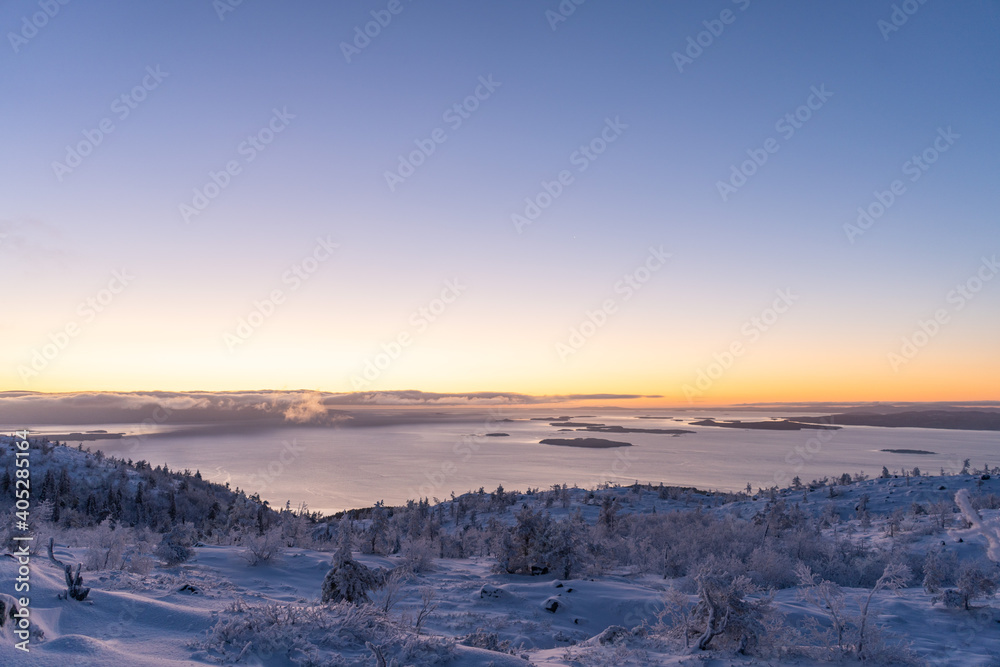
<point>626,429</point>
<point>781,425</point>
<point>497,435</point>
<point>89,435</point>
<point>907,451</point>
<point>587,443</point>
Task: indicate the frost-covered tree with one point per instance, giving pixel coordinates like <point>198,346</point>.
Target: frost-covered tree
<point>261,549</point>
<point>564,548</point>
<point>893,577</point>
<point>348,580</point>
<point>988,529</point>
<point>724,609</point>
<point>854,633</point>
<point>377,538</point>
<point>522,549</point>
<point>828,597</point>
<point>939,570</point>
<point>175,545</point>
<point>976,580</point>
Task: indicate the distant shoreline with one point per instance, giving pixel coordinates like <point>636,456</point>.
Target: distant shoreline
<point>88,436</point>
<point>781,425</point>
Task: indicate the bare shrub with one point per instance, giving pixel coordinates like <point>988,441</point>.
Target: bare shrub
<point>262,549</point>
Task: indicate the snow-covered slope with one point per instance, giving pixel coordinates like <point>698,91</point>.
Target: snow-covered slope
<point>634,555</point>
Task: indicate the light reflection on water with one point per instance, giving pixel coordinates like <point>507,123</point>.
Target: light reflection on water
<point>332,469</point>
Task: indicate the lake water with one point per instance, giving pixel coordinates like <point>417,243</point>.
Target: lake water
<point>331,469</point>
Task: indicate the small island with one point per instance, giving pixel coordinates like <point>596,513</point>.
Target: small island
<point>587,443</point>
<point>907,451</point>
<point>497,435</point>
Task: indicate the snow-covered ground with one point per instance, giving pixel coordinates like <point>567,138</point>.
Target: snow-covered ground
<point>216,608</point>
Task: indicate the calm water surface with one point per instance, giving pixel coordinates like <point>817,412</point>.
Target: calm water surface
<point>331,469</point>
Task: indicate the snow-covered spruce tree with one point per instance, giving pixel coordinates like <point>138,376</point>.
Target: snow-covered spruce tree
<point>376,539</point>
<point>348,580</point>
<point>175,545</point>
<point>522,549</point>
<point>565,550</point>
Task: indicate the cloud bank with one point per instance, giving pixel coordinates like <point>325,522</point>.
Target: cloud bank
<point>290,407</point>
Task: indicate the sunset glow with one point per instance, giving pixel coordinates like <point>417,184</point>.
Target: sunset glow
<point>609,211</point>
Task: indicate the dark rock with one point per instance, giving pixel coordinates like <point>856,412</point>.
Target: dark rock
<point>492,592</point>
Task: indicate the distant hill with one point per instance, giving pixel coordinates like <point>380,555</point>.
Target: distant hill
<point>966,420</point>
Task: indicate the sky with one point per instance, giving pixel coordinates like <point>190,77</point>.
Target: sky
<point>698,202</point>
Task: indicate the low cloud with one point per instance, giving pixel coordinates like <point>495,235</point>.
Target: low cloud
<point>21,408</point>
<point>309,410</point>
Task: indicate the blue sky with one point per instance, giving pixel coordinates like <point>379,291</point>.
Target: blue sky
<point>655,185</point>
